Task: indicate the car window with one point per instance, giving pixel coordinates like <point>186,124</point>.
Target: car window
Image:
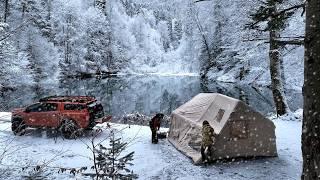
<point>49,107</point>
<point>74,107</point>
<point>43,107</point>
<point>34,107</point>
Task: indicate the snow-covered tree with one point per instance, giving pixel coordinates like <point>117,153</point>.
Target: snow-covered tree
<point>176,33</point>
<point>70,37</point>
<point>13,64</point>
<point>99,54</point>
<point>270,13</point>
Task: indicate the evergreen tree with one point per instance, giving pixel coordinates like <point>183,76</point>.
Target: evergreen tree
<point>269,12</point>
<point>99,54</point>
<point>210,49</point>
<point>109,162</point>
<point>67,62</point>
<point>38,14</point>
<point>13,65</point>
<point>176,33</point>
<point>6,55</point>
<point>101,5</point>
<point>131,7</point>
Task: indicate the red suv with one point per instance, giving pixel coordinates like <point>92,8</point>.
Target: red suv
<point>67,113</point>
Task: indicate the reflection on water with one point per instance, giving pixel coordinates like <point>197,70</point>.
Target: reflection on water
<point>144,94</point>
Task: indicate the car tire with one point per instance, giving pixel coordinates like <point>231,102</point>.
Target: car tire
<point>18,126</point>
<point>90,126</point>
<point>69,129</point>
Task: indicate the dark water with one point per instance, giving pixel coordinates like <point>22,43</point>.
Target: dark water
<point>144,94</point>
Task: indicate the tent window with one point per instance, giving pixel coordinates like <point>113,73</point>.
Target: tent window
<point>220,115</point>
<point>239,130</point>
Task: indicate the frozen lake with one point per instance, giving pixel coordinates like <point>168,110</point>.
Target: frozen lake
<point>145,94</point>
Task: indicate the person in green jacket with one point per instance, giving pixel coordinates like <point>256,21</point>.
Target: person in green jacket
<point>208,139</point>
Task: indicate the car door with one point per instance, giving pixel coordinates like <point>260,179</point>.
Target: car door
<point>31,112</point>
<point>49,115</point>
<point>76,112</point>
<point>42,115</point>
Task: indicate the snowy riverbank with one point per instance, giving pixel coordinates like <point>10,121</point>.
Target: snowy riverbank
<point>161,161</point>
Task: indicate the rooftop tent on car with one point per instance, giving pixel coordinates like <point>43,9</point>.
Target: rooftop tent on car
<point>242,132</point>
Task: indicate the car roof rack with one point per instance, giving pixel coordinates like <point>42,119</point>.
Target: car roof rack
<point>78,99</point>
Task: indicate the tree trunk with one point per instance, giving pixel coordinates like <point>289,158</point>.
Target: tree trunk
<point>275,72</point>
<point>6,11</point>
<point>110,38</point>
<point>49,9</point>
<point>23,9</point>
<point>311,94</point>
<point>205,67</point>
<point>283,77</point>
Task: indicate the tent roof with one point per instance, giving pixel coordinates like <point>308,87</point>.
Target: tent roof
<point>213,107</point>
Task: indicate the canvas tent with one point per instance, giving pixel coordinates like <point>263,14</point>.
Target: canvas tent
<point>241,131</point>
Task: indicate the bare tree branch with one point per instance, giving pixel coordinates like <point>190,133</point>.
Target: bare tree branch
<point>291,42</point>
<point>200,1</point>
<point>290,8</point>
<point>279,13</point>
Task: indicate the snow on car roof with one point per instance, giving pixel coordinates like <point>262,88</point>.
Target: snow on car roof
<point>79,99</point>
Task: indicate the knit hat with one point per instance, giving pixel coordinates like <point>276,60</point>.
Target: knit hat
<point>205,122</point>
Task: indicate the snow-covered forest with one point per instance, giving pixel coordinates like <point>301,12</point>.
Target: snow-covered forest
<point>45,40</point>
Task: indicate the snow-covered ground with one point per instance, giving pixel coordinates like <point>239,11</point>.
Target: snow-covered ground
<point>160,161</point>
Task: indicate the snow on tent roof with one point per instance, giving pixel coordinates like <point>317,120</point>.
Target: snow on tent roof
<point>216,108</point>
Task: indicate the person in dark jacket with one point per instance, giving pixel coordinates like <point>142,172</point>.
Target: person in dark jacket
<point>154,126</point>
<point>208,139</point>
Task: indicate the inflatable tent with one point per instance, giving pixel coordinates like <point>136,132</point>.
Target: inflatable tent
<point>241,131</point>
